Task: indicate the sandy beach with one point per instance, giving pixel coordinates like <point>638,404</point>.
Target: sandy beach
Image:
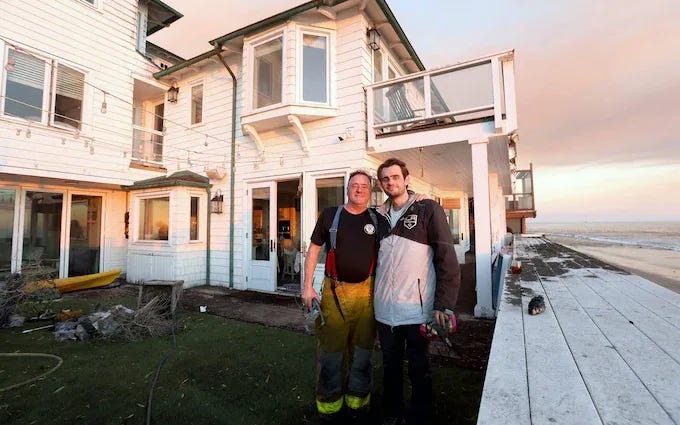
<point>658,265</point>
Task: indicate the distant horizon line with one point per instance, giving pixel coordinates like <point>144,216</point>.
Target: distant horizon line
<point>534,221</point>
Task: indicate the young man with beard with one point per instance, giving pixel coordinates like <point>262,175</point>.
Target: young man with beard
<point>417,279</point>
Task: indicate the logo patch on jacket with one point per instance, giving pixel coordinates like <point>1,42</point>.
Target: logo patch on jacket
<point>410,221</point>
<point>369,229</point>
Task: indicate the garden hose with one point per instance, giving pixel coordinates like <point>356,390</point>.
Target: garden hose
<point>42,375</point>
<point>158,369</point>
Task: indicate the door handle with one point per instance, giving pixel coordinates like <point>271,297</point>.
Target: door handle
<point>271,245</point>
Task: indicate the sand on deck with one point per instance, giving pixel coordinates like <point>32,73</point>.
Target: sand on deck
<point>658,265</point>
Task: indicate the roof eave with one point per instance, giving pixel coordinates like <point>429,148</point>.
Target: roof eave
<point>400,33</point>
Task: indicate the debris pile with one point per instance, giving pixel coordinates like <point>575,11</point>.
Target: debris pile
<point>31,295</point>
<point>117,323</point>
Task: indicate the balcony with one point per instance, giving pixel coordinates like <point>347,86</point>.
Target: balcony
<point>521,203</point>
<point>148,125</point>
<point>147,145</point>
<point>469,100</point>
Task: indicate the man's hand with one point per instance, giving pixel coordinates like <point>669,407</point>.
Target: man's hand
<point>308,294</point>
<point>441,318</point>
<point>421,197</point>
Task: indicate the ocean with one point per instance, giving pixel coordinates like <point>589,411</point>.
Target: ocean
<point>661,234</point>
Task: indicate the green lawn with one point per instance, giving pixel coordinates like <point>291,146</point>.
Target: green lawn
<point>222,372</point>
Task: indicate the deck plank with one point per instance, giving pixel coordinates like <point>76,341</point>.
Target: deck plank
<point>658,371</point>
<point>506,398</point>
<point>663,306</point>
<point>557,391</point>
<point>658,329</point>
<point>605,351</point>
<point>618,393</point>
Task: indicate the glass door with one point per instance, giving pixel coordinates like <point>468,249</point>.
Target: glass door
<point>41,248</point>
<point>7,206</point>
<point>261,236</point>
<point>321,191</point>
<point>84,235</point>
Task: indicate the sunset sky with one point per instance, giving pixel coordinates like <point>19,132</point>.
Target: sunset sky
<point>598,88</point>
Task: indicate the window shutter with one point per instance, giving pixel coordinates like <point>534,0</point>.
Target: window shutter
<point>28,70</point>
<point>70,83</point>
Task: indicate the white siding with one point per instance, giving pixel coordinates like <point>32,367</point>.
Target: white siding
<point>100,43</point>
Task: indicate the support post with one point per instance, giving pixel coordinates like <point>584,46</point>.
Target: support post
<point>480,189</point>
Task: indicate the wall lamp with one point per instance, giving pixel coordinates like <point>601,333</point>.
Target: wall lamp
<point>172,94</point>
<point>373,39</point>
<point>217,202</point>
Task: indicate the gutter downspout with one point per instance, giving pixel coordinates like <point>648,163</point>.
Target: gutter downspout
<point>207,241</point>
<point>232,173</point>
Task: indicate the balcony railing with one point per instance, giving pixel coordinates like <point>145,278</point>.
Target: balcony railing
<point>455,94</point>
<point>147,145</point>
<point>522,198</point>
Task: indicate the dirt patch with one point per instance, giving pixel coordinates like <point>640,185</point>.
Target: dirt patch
<point>471,343</point>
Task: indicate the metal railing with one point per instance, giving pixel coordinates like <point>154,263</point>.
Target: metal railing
<point>466,91</point>
<point>147,145</point>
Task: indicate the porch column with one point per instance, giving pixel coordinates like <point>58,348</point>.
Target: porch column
<point>480,190</point>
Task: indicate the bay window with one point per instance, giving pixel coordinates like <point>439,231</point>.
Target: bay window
<point>193,220</point>
<point>268,73</point>
<point>315,68</point>
<point>43,91</point>
<point>154,219</point>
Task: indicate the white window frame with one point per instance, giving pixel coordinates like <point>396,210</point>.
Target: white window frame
<point>53,96</point>
<point>252,44</point>
<point>330,71</point>
<point>191,100</point>
<point>202,224</point>
<point>141,27</point>
<point>95,4</point>
<point>137,222</point>
<point>49,89</point>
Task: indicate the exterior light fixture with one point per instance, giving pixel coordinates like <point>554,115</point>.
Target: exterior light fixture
<point>217,202</point>
<point>172,94</point>
<point>373,39</point>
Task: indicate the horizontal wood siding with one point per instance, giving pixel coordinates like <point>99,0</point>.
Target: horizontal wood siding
<point>100,43</point>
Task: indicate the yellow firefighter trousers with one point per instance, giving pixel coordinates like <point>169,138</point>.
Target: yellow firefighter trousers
<point>345,347</point>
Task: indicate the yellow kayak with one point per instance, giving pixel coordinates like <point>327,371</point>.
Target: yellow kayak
<point>88,281</point>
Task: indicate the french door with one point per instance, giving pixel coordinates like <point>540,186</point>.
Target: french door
<point>261,241</point>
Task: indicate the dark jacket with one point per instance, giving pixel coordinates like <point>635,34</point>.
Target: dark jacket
<point>417,266</point>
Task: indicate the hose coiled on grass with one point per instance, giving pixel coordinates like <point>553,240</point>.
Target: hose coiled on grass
<point>42,375</point>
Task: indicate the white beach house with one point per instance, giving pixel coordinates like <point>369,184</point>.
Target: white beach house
<point>115,153</point>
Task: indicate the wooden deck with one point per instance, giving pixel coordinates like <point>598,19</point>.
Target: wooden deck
<point>605,351</point>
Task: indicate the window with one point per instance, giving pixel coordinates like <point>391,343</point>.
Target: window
<point>142,20</point>
<point>197,104</point>
<point>193,223</point>
<point>154,219</point>
<point>30,89</point>
<point>315,68</point>
<point>268,73</point>
<point>25,86</point>
<point>68,100</point>
<point>377,66</point>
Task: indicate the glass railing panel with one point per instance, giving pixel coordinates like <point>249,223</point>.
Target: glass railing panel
<point>147,145</point>
<point>462,89</point>
<point>403,101</point>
